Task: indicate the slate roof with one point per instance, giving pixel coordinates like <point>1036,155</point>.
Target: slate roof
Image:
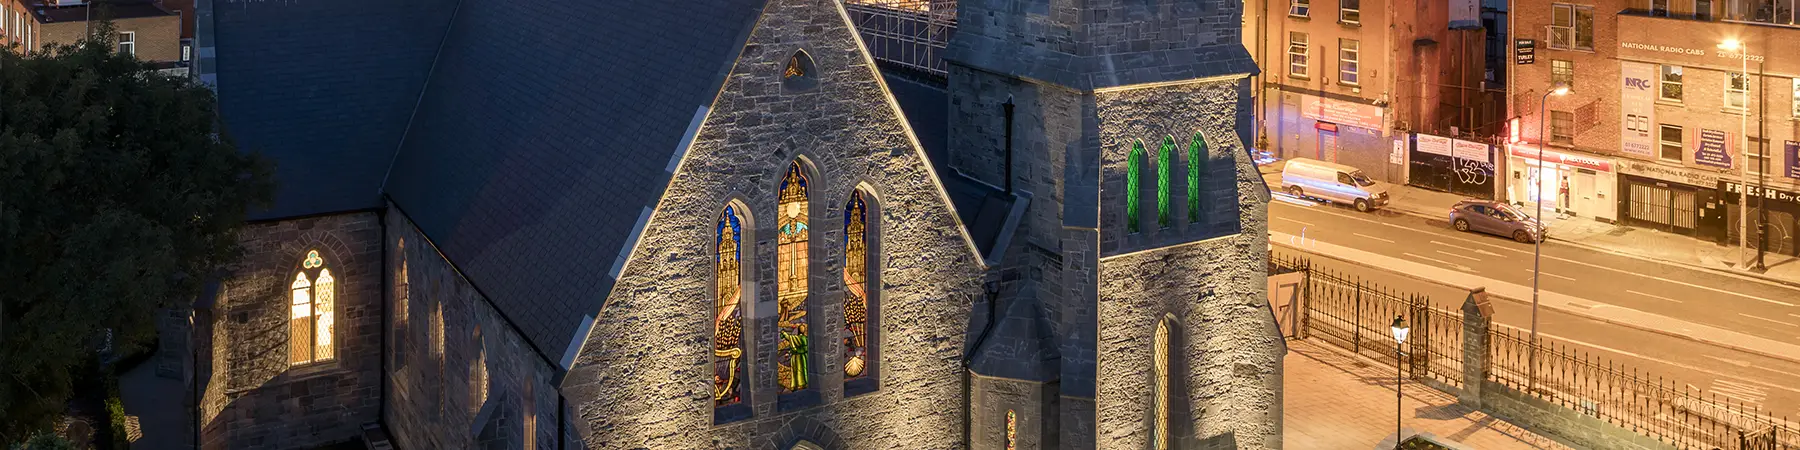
<point>982,208</point>
<point>325,88</point>
<point>1089,72</point>
<point>546,135</point>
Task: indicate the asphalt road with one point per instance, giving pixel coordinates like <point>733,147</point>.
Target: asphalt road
<point>1697,295</point>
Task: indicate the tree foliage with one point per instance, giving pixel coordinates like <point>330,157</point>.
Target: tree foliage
<point>116,198</point>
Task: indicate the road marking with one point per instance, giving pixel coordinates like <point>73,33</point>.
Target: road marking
<point>1459,267</point>
<point>1740,391</point>
<point>1289,199</point>
<point>1471,258</point>
<point>1296,221</point>
<point>1770,320</point>
<point>1670,363</point>
<point>1654,296</point>
<point>1550,274</point>
<point>1476,250</point>
<point>1372,237</point>
<point>1447,236</point>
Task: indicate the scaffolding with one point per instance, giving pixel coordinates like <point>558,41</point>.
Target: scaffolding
<point>910,34</point>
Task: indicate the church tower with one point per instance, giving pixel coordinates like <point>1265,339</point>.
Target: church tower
<point>1131,295</point>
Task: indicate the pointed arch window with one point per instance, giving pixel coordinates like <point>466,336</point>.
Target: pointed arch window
<point>728,318</point>
<point>1198,158</point>
<point>1163,158</point>
<point>858,360</point>
<point>792,252</point>
<point>402,310</point>
<point>1133,166</point>
<point>478,375</point>
<point>312,311</point>
<point>1012,430</point>
<point>1159,436</point>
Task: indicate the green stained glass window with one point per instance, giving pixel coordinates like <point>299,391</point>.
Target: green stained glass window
<point>1197,160</point>
<point>1163,159</point>
<point>792,263</point>
<point>1132,166</point>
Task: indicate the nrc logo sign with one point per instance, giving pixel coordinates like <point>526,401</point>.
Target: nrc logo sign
<point>1639,83</point>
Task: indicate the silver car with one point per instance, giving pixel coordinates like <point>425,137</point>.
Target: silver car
<point>1496,218</point>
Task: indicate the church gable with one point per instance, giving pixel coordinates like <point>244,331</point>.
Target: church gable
<point>804,259</point>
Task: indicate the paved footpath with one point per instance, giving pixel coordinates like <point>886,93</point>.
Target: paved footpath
<point>1334,400</point>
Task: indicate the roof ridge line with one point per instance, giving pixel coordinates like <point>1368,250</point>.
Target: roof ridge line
<point>423,88</point>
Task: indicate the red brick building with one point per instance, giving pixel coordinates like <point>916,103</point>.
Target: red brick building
<point>147,29</point>
<point>1653,132</point>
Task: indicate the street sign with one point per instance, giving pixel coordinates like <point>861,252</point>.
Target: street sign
<point>1527,51</point>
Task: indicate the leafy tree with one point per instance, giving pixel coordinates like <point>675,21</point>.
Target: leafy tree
<point>116,198</point>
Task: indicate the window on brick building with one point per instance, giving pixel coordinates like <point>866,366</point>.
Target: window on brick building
<point>1297,43</point>
<point>1350,11</point>
<point>1349,62</point>
<point>1160,369</point>
<point>1737,91</point>
<point>1670,85</point>
<point>1562,71</point>
<point>1703,9</point>
<point>859,358</point>
<point>1778,12</point>
<point>1659,8</point>
<point>1670,138</point>
<point>1198,159</point>
<point>1571,27</point>
<point>1165,157</point>
<point>1562,127</point>
<point>1299,8</point>
<point>1753,155</point>
<point>728,315</point>
<point>128,43</point>
<point>1133,167</point>
<point>311,312</point>
<point>792,288</point>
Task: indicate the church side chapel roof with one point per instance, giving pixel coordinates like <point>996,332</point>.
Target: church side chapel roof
<point>532,139</point>
<point>323,87</point>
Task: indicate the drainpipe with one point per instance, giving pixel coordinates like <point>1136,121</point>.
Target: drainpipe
<point>387,292</point>
<point>1009,144</point>
<point>993,297</point>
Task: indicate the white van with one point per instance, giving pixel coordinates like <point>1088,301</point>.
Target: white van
<point>1332,182</point>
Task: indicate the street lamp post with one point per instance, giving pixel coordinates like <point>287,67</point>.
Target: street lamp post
<point>1537,243</point>
<point>1743,55</point>
<point>1400,332</point>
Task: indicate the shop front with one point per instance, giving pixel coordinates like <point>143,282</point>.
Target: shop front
<point>1672,198</point>
<point>1568,184</point>
<point>1783,211</point>
<point>1451,165</point>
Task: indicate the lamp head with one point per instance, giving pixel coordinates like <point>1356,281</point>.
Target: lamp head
<point>1400,329</point>
<point>1559,89</point>
<point>1731,45</point>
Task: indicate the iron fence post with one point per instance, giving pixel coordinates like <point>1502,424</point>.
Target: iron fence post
<point>1356,324</point>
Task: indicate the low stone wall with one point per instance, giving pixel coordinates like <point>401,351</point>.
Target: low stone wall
<point>1578,429</point>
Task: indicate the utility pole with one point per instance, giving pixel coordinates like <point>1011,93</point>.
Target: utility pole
<point>1762,171</point>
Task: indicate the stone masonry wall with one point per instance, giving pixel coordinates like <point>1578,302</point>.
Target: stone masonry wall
<point>1230,363</point>
<point>643,378</point>
<point>253,398</point>
<point>435,400</point>
<point>1150,115</point>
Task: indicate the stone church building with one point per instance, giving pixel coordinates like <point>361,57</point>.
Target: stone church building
<point>719,224</point>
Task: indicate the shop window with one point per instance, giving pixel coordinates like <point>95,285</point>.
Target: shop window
<point>1670,85</point>
<point>1297,43</point>
<point>1670,137</point>
<point>1349,62</point>
<point>1562,127</point>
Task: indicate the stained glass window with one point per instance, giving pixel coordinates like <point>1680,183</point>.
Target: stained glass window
<point>311,312</point>
<point>728,322</point>
<point>1163,159</point>
<point>1132,167</point>
<point>856,297</point>
<point>791,283</point>
<point>1012,430</point>
<point>478,374</point>
<point>1198,158</point>
<point>1159,437</point>
<point>794,68</point>
<point>402,310</point>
